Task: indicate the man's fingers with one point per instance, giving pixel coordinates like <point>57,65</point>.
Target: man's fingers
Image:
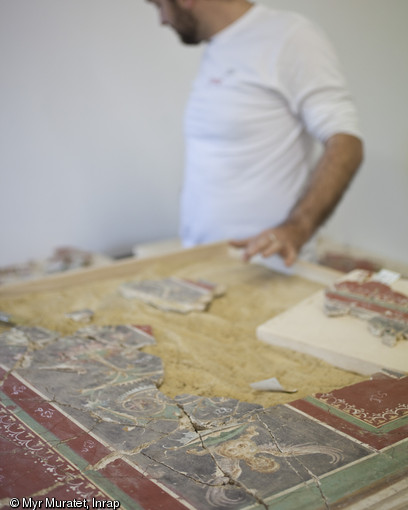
<point>239,244</point>
<point>272,249</point>
<point>271,244</point>
<point>290,256</point>
<point>267,244</point>
<point>257,245</point>
<point>262,244</point>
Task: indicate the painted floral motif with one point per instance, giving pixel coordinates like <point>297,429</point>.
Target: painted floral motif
<point>88,445</point>
<point>378,419</point>
<point>45,413</point>
<point>17,390</point>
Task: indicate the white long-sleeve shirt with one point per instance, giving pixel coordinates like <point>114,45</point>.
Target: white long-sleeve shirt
<point>268,84</point>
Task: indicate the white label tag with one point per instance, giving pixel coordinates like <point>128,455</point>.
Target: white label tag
<point>386,276</point>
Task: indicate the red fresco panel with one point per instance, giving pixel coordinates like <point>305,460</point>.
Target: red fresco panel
<point>18,479</point>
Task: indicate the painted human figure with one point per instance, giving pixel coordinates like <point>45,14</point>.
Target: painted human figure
<point>268,87</point>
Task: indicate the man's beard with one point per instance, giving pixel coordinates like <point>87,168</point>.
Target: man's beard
<point>186,27</point>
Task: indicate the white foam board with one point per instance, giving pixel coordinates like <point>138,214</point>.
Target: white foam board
<point>344,341</point>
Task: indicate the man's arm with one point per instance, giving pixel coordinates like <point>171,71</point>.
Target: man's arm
<point>340,161</point>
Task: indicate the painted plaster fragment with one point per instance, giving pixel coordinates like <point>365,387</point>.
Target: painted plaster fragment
<point>385,310</point>
<point>271,384</point>
<point>173,294</point>
<point>84,315</point>
<point>6,319</point>
<point>125,335</point>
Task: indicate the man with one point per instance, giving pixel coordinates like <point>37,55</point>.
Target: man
<point>269,83</point>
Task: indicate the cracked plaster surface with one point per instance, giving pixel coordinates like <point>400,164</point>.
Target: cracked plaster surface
<point>264,454</point>
<point>216,452</point>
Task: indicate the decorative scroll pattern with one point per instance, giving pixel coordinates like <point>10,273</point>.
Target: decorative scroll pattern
<point>46,458</point>
<point>379,419</point>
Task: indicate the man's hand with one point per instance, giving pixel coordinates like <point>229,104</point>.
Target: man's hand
<point>340,161</point>
<point>285,240</point>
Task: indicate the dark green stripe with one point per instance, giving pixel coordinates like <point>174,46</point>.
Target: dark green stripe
<point>99,480</point>
<point>345,481</point>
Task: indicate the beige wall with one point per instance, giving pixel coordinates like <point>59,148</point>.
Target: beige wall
<point>91,102</point>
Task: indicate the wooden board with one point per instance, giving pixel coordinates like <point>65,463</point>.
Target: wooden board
<point>135,265</point>
<point>126,268</point>
<point>344,341</point>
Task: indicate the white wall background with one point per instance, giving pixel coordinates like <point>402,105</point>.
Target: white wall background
<point>91,102</point>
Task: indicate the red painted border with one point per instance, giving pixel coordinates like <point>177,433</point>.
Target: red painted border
<point>133,483</point>
<point>377,441</point>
